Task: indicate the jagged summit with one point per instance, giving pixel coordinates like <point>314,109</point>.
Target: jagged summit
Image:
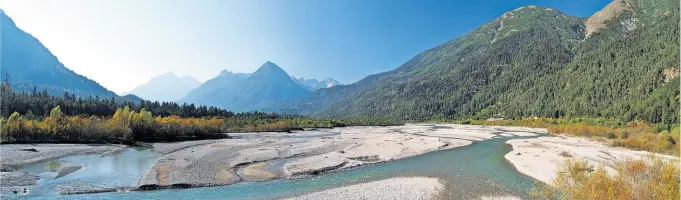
<point>269,66</point>
<point>225,72</point>
<point>597,20</point>
<point>270,70</point>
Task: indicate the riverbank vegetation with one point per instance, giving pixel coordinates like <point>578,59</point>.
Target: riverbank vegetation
<point>636,179</point>
<point>40,118</point>
<point>128,126</point>
<point>125,126</point>
<point>637,134</point>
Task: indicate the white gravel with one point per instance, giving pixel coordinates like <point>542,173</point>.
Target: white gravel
<point>19,154</point>
<point>265,156</point>
<point>540,157</point>
<point>168,147</point>
<point>312,164</point>
<point>393,188</point>
<point>8,179</point>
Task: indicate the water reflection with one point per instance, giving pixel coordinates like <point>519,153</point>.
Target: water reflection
<point>110,171</point>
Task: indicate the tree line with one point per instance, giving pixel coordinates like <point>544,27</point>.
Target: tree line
<point>39,117</point>
<point>40,103</point>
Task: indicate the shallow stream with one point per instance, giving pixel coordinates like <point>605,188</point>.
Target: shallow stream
<point>469,172</point>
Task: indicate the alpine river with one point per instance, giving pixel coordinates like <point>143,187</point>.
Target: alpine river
<point>468,172</point>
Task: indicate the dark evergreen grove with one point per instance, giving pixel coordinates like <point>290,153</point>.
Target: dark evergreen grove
<point>40,103</point>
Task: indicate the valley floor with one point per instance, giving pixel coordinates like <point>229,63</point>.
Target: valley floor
<point>252,157</point>
<point>267,156</point>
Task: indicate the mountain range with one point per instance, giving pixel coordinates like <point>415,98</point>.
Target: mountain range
<point>622,62</point>
<point>247,92</point>
<point>171,88</point>
<point>27,65</point>
<point>165,88</point>
<point>314,84</point>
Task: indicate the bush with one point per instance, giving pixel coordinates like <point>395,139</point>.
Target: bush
<point>636,179</point>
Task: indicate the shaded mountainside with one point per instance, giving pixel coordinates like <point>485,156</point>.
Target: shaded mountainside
<point>29,64</point>
<point>212,91</point>
<point>532,61</point>
<point>167,87</point>
<point>269,84</point>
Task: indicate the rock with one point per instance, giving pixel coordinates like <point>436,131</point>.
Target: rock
<point>67,170</point>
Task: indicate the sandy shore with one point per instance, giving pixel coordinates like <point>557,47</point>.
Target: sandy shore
<point>394,188</point>
<point>266,156</point>
<point>540,157</point>
<point>19,154</point>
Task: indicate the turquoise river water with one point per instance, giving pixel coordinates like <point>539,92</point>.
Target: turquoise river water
<point>469,172</point>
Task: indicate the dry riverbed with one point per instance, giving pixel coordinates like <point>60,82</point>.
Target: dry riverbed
<point>267,156</point>
<point>261,156</point>
<point>540,157</point>
<point>413,188</point>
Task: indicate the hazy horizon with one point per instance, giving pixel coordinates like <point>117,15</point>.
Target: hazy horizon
<point>343,40</point>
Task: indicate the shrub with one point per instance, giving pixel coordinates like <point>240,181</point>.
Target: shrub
<point>636,179</point>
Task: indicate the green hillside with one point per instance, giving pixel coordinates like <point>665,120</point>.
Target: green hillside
<point>532,61</point>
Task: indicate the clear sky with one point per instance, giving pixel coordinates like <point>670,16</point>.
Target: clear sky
<point>123,43</point>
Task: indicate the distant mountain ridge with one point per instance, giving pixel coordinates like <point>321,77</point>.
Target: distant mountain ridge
<point>247,92</point>
<point>29,64</point>
<point>165,88</point>
<point>314,84</point>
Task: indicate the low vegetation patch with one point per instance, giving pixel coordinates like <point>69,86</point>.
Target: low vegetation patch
<point>638,135</point>
<point>636,179</point>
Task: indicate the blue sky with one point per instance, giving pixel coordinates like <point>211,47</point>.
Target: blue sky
<point>124,43</point>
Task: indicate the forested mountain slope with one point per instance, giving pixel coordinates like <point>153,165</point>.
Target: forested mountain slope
<point>628,69</point>
<point>532,61</point>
